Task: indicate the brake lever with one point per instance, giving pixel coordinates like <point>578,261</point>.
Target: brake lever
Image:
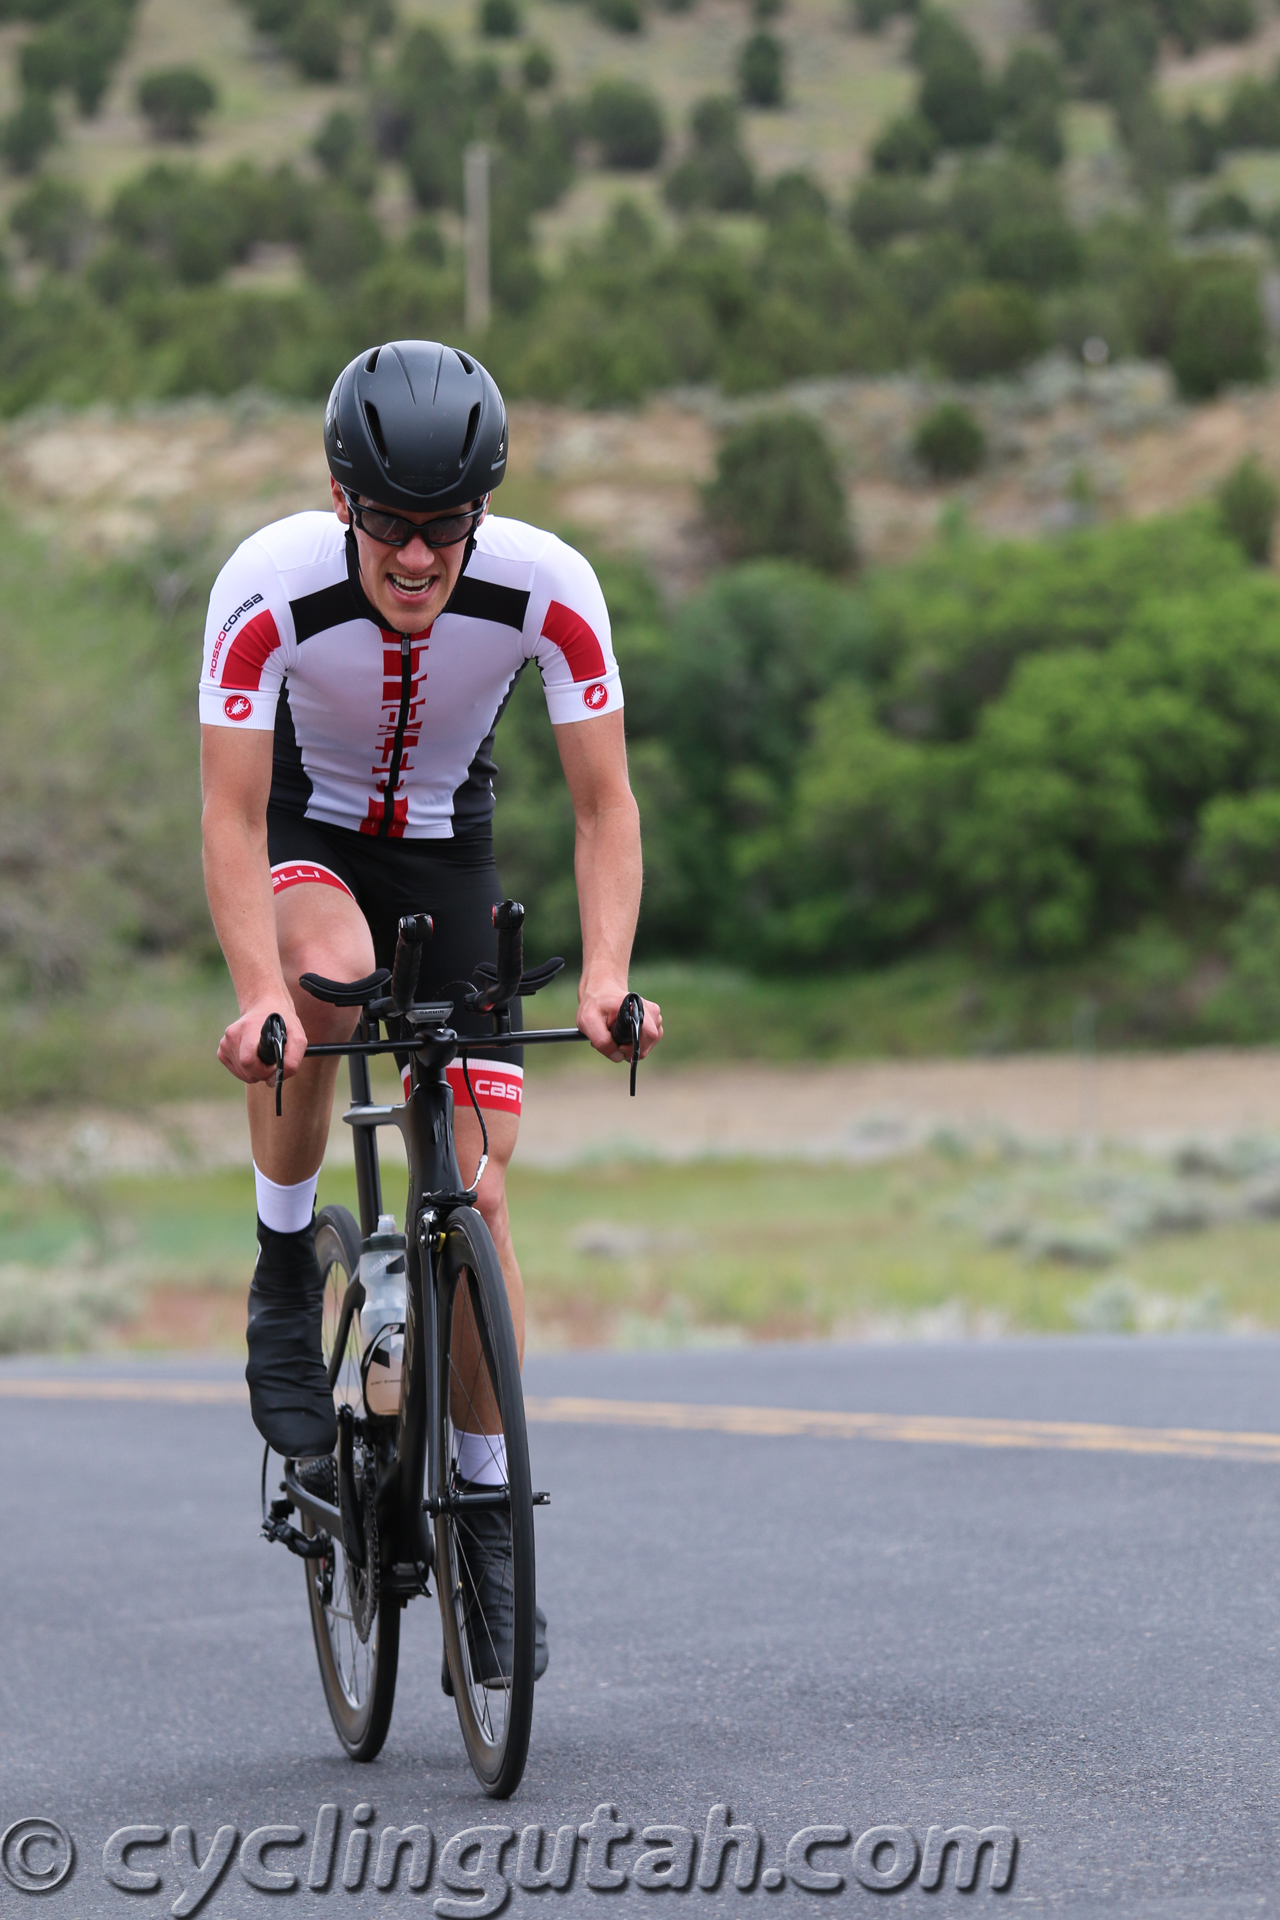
<point>271,1044</point>
<point>627,1029</point>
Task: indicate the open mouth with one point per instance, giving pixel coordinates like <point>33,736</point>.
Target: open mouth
<point>407,584</point>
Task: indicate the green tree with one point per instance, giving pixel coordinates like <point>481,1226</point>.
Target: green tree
<point>1029,106</point>
<point>537,69</point>
<point>1037,252</point>
<point>345,155</point>
<point>907,145</point>
<point>717,172</point>
<point>1248,501</point>
<point>500,19</point>
<point>1237,845</point>
<point>314,40</point>
<point>885,207</point>
<point>954,95</point>
<point>174,101</point>
<point>853,868</point>
<point>982,330</point>
<point>344,240</point>
<point>624,16</point>
<point>28,132</point>
<point>1252,116</point>
<point>1248,1004</point>
<point>627,121</point>
<point>762,71</point>
<point>777,491</point>
<point>54,220</point>
<point>949,442</point>
<point>1219,331</point>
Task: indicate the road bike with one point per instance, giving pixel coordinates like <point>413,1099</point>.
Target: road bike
<point>388,1511</point>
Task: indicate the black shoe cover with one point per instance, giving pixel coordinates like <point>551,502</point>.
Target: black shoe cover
<point>289,1393</point>
<point>484,1546</point>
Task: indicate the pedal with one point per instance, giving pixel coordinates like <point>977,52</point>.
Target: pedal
<point>279,1531</point>
<point>409,1578</point>
<point>542,1499</point>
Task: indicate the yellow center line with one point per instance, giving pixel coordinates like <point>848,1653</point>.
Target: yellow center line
<point>951,1430</point>
<point>197,1392</point>
<point>773,1423</point>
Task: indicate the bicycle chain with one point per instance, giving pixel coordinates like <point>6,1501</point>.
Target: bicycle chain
<point>364,1583</point>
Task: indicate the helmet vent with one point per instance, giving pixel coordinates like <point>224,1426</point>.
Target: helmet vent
<point>371,363</point>
<point>375,431</point>
<point>473,423</point>
<point>468,366</point>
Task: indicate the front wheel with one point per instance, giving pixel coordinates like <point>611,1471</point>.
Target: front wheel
<point>484,1531</point>
<point>356,1627</point>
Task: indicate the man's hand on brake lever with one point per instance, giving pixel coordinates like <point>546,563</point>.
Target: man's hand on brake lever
<point>238,1048</point>
<point>597,1012</point>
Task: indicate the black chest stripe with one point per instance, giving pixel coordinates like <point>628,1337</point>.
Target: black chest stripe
<point>332,606</point>
<point>485,600</point>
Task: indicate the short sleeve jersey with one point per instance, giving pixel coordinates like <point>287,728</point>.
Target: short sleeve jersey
<point>386,733</point>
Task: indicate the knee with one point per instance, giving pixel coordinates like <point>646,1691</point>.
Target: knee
<point>491,1199</point>
<point>346,960</point>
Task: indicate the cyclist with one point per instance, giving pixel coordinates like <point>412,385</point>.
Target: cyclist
<point>356,665</point>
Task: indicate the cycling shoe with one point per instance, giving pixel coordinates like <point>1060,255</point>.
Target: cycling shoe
<point>484,1549</point>
<point>289,1393</point>
<point>540,1654</point>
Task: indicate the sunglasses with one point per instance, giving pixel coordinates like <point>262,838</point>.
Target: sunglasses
<point>393,530</point>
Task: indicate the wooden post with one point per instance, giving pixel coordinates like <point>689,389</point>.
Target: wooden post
<point>477,236</point>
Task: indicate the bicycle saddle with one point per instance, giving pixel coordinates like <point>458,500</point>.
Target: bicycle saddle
<point>346,993</point>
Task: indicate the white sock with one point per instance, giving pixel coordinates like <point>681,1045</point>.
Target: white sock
<point>482,1459</point>
<point>285,1209</point>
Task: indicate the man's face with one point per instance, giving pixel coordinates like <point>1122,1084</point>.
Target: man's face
<point>407,585</point>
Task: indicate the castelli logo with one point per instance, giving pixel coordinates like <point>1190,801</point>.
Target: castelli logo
<point>237,706</point>
<point>596,697</point>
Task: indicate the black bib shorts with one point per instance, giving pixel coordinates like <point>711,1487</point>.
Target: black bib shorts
<point>455,881</point>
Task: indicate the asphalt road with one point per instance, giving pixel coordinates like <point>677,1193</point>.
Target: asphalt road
<point>1048,1630</point>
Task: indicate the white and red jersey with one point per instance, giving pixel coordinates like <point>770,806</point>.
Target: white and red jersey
<point>387,733</point>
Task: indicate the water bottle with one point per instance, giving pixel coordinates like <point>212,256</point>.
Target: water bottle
<point>382,1274</point>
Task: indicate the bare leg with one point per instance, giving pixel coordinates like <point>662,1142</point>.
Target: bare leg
<point>323,931</point>
<point>491,1201</point>
<point>472,1405</point>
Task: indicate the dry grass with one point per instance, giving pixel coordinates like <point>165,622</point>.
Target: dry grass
<point>975,1235</point>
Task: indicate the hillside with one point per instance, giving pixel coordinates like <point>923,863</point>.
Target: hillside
<point>700,194</point>
<point>844,84</point>
<point>1070,447</point>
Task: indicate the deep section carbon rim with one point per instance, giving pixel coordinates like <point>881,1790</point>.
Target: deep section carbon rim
<point>484,1537</point>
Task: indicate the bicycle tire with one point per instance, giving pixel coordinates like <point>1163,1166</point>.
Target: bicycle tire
<point>495,1718</point>
<point>358,1676</point>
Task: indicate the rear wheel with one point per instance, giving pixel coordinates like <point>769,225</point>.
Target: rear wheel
<point>484,1537</point>
<point>356,1627</point>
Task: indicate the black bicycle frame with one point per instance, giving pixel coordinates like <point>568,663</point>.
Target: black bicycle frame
<point>425,1123</point>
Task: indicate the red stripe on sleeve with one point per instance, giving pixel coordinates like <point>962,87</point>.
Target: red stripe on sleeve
<point>570,632</point>
<point>249,652</point>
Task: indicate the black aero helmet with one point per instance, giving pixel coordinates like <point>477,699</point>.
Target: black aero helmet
<point>416,425</point>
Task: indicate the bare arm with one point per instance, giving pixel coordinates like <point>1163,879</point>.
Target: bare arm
<point>235,776</point>
<point>607,867</point>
